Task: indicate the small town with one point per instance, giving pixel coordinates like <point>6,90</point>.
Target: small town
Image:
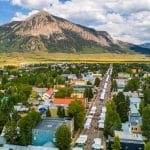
<point>75,107</point>
<point>74,74</point>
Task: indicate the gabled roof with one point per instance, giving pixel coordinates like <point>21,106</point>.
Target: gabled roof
<point>50,91</point>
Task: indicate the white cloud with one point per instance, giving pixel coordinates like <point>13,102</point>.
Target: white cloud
<point>19,16</point>
<point>128,20</point>
<point>34,4</point>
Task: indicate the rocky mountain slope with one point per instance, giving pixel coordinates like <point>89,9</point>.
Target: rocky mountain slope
<point>45,32</point>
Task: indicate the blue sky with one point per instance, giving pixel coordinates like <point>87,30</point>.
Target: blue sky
<point>127,20</point>
<point>8,10</point>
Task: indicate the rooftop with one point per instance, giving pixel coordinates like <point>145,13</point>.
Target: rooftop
<point>135,100</point>
<point>133,109</point>
<point>50,91</point>
<point>51,123</point>
<point>66,101</point>
<point>129,136</point>
<point>29,147</point>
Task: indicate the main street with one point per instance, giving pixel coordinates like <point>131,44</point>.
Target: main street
<point>94,131</point>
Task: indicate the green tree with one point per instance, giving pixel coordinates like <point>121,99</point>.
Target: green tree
<point>64,92</point>
<point>11,132</point>
<point>116,144</point>
<point>89,83</point>
<point>3,120</point>
<point>4,79</point>
<point>141,107</point>
<point>112,119</point>
<point>146,83</point>
<point>146,96</point>
<point>146,122</point>
<point>48,113</point>
<point>63,137</point>
<point>26,124</point>
<point>60,80</point>
<point>88,93</point>
<point>147,146</point>
<point>6,106</point>
<point>60,111</point>
<point>97,82</point>
<point>114,86</point>
<point>122,106</point>
<point>133,85</point>
<point>77,110</point>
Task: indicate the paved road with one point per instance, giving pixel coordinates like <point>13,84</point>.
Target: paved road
<point>94,131</point>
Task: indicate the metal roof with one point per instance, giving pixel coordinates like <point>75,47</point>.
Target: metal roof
<point>129,136</point>
<point>51,123</point>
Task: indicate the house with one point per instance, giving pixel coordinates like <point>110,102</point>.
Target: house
<point>77,95</point>
<point>21,108</point>
<point>127,141</point>
<point>67,101</point>
<point>44,132</point>
<point>135,101</point>
<point>70,76</point>
<point>134,94</point>
<point>39,91</point>
<point>79,90</point>
<point>123,75</point>
<point>88,77</point>
<point>79,82</point>
<point>147,74</point>
<point>97,75</point>
<point>121,83</point>
<point>50,146</point>
<point>26,64</point>
<point>136,70</point>
<point>48,95</point>
<point>135,119</point>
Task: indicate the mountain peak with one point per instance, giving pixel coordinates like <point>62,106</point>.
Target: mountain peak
<point>43,31</point>
<point>40,14</point>
<point>41,23</point>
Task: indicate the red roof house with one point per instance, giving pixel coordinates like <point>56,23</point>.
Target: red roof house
<point>67,101</point>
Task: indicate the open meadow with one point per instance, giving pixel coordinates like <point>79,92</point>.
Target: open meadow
<point>17,58</point>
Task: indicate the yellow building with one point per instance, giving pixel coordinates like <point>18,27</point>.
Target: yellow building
<point>77,95</point>
<point>136,70</point>
<point>78,82</point>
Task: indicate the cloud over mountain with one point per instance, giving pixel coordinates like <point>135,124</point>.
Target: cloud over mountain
<point>128,20</point>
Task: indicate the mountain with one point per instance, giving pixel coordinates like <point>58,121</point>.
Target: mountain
<point>45,32</point>
<point>145,45</point>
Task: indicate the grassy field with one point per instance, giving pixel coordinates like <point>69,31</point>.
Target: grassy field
<point>17,58</point>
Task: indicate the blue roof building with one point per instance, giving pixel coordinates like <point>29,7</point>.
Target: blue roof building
<point>44,132</point>
<point>135,101</point>
<point>127,141</point>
